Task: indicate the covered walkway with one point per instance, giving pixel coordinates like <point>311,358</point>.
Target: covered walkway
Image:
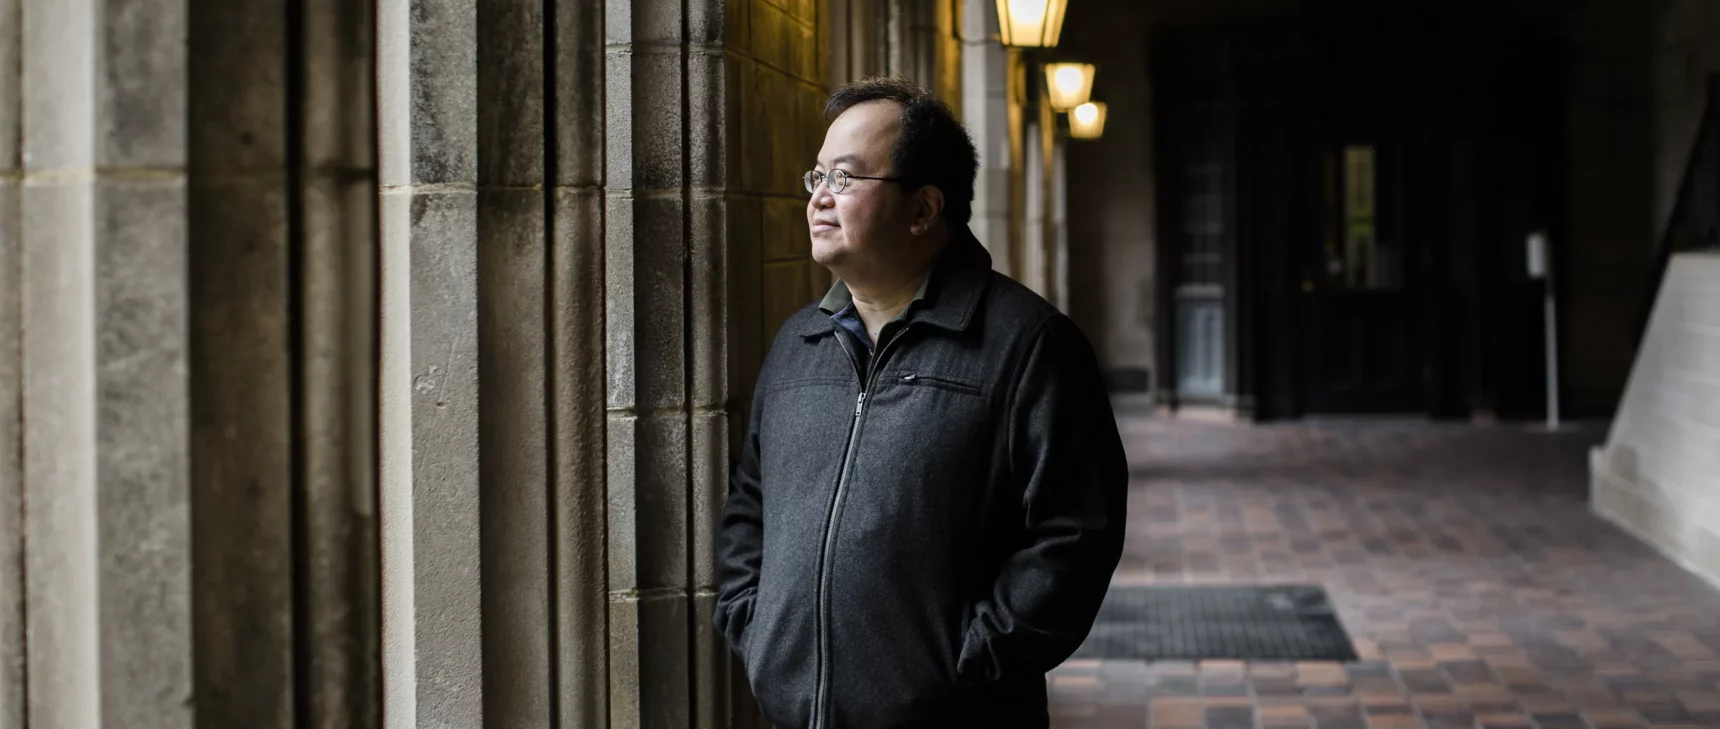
<point>1464,562</point>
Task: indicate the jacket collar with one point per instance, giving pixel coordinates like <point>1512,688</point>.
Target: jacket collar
<point>949,298</point>
<point>839,297</point>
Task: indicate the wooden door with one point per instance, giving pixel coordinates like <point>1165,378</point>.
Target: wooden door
<point>1361,339</point>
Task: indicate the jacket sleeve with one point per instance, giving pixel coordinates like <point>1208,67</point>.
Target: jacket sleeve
<point>740,537</point>
<point>1072,478</point>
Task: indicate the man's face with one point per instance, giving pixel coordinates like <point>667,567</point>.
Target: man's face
<point>861,226</point>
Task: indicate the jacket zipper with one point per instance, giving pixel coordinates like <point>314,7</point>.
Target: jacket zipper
<point>821,694</point>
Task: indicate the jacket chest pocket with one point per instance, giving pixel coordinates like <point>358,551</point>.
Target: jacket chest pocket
<point>917,388</point>
<point>938,426</point>
<point>942,382</point>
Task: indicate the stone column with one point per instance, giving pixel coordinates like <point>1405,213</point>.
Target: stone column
<point>575,292</point>
<point>712,156</point>
<point>899,56</point>
<point>860,38</point>
<point>432,609</point>
<point>190,298</point>
<point>11,395</point>
<point>512,341</point>
<point>650,614</point>
<point>493,365</point>
<point>1015,84</point>
<point>104,290</point>
<point>985,106</point>
<point>554,370</point>
<point>1040,180</point>
<point>834,37</point>
<point>913,28</point>
<point>239,247</point>
<point>947,62</point>
<point>667,439</point>
<point>1050,179</point>
<point>337,560</point>
<point>1033,251</point>
<point>1059,226</point>
<point>280,241</point>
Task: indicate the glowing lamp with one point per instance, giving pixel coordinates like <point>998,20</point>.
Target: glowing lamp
<point>1087,121</point>
<point>1070,84</point>
<point>1030,23</point>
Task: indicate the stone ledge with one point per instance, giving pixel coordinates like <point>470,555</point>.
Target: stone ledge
<point>1674,505</point>
<point>1673,530</point>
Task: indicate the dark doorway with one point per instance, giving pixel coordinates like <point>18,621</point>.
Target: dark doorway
<point>1361,349</point>
<point>1343,200</point>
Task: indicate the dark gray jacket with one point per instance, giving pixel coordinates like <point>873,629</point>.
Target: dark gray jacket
<point>920,550</point>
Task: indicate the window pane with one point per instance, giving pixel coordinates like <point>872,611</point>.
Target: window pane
<point>1359,230</point>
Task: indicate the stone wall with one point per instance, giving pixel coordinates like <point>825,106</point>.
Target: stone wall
<point>561,186</point>
<point>12,689</point>
<point>1610,148</point>
<point>186,318</point>
<point>1112,225</point>
<point>946,63</point>
<point>1658,474</point>
<point>631,260</point>
<point>1685,51</point>
<point>281,267</point>
<point>1034,248</point>
<point>105,351</point>
<point>780,67</point>
<point>986,112</point>
<point>1636,92</point>
<point>313,413</point>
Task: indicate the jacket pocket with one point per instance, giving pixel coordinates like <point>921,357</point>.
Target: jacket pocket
<point>945,382</point>
<point>749,661</point>
<point>735,621</point>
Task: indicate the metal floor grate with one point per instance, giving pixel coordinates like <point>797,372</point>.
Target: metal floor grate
<point>1190,623</point>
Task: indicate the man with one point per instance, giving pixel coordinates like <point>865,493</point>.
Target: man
<point>929,502</point>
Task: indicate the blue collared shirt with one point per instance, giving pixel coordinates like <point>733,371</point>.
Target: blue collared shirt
<point>848,318</point>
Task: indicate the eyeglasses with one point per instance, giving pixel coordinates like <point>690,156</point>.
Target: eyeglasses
<point>838,179</point>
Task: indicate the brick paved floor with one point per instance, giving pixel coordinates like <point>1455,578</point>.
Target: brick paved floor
<point>1479,589</point>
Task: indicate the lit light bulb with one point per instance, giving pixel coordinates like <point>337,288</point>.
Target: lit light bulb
<point>1027,8</point>
<point>1068,84</point>
<point>1030,23</point>
<point>1068,79</point>
<point>1087,121</point>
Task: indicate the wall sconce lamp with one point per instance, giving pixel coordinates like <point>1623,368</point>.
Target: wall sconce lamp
<point>1087,121</point>
<point>1031,23</point>
<point>1070,84</point>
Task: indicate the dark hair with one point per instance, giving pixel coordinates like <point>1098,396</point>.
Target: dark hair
<point>934,148</point>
